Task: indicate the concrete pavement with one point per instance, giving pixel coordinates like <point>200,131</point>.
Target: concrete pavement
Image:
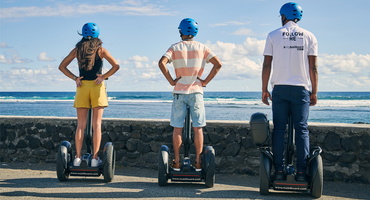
<point>39,181</point>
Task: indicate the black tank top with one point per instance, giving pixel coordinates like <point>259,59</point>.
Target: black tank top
<point>96,69</point>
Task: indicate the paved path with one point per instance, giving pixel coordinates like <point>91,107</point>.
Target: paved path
<point>38,181</point>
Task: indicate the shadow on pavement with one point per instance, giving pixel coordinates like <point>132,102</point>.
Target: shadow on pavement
<point>41,182</point>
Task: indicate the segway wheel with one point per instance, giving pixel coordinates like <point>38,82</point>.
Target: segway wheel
<point>317,180</point>
<point>210,167</point>
<point>109,164</point>
<point>62,163</point>
<point>163,166</point>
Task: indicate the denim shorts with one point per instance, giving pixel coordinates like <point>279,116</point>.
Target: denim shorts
<point>197,111</point>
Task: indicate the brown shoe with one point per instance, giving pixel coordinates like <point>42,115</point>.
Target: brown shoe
<point>198,166</point>
<point>176,166</point>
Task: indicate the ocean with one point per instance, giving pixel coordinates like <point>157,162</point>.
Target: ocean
<point>332,107</point>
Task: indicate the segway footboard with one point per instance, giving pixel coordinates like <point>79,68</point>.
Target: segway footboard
<point>290,184</point>
<point>190,176</point>
<point>85,168</point>
<point>187,173</point>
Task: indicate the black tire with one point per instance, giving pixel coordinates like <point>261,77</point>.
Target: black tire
<point>264,175</point>
<point>210,167</point>
<point>109,164</point>
<point>62,163</point>
<point>317,180</point>
<point>162,168</point>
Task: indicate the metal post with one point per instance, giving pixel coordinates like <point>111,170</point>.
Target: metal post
<point>187,133</point>
<point>88,132</point>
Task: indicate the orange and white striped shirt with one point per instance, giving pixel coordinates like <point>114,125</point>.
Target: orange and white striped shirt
<point>188,59</point>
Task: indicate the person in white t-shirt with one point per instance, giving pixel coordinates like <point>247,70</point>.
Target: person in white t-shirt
<point>290,58</point>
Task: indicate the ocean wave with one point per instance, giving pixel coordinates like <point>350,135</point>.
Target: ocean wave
<point>209,101</point>
<point>36,100</point>
<point>343,103</point>
<point>139,101</point>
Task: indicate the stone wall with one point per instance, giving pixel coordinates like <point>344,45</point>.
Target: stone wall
<point>346,147</point>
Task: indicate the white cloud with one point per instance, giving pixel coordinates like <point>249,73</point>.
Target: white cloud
<point>138,62</point>
<point>15,59</point>
<point>3,59</point>
<point>47,78</point>
<point>44,57</point>
<point>130,7</point>
<point>3,45</point>
<point>242,62</point>
<point>230,23</point>
<point>132,2</point>
<point>355,64</point>
<point>349,72</point>
<point>254,46</point>
<point>339,72</point>
<point>244,31</point>
<point>139,68</point>
<point>239,60</point>
<point>150,75</point>
<point>138,58</point>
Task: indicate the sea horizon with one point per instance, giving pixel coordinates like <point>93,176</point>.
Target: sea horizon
<point>150,91</point>
<point>332,107</point>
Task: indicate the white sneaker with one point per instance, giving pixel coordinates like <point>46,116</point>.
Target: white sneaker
<point>95,162</point>
<point>77,162</point>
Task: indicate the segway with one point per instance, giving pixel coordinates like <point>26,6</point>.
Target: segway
<point>187,172</point>
<point>64,159</point>
<point>314,174</point>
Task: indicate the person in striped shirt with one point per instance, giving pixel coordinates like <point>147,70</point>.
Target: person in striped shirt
<point>188,58</point>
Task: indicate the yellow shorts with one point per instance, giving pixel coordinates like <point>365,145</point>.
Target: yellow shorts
<point>91,95</point>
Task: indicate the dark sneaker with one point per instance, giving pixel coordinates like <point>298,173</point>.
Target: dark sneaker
<point>300,177</point>
<point>279,176</point>
<point>198,167</point>
<point>176,166</point>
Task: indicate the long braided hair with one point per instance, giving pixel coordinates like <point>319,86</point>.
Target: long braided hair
<point>86,52</point>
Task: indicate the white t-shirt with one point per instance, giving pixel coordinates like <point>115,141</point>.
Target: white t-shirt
<point>290,47</point>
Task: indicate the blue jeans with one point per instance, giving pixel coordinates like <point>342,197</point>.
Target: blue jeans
<point>295,100</point>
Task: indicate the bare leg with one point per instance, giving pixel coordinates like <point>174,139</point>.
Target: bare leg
<point>198,142</point>
<point>96,122</point>
<point>177,141</point>
<point>81,125</point>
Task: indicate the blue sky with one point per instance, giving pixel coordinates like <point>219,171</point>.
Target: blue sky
<point>35,35</point>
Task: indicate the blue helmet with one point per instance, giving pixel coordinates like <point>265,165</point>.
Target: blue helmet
<point>188,26</point>
<point>292,11</point>
<point>90,30</point>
